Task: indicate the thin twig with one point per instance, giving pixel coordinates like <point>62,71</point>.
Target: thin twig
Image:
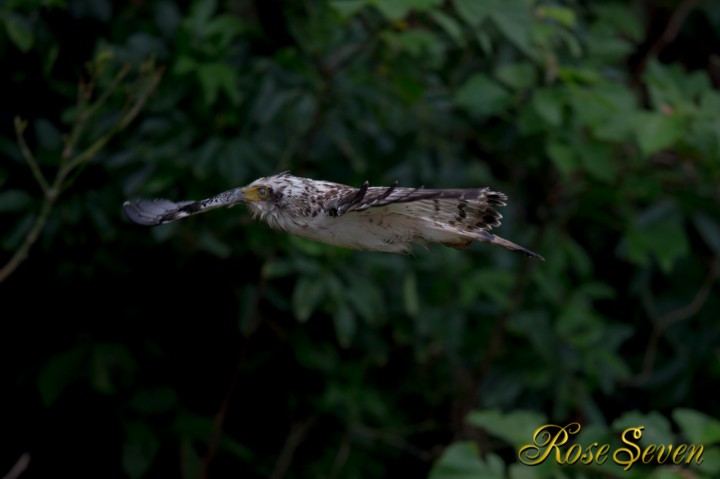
<point>342,456</point>
<point>31,237</point>
<point>673,26</point>
<point>219,419</point>
<point>328,70</point>
<point>391,439</point>
<point>495,346</point>
<point>669,34</point>
<point>675,316</point>
<point>297,435</point>
<point>68,164</point>
<point>20,126</point>
<point>19,467</point>
<point>89,153</point>
<point>84,114</point>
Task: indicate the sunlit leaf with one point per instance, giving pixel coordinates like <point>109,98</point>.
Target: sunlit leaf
<point>348,8</point>
<point>461,460</point>
<point>697,426</point>
<point>564,16</point>
<point>449,24</point>
<point>656,132</point>
<point>472,11</point>
<point>515,427</point>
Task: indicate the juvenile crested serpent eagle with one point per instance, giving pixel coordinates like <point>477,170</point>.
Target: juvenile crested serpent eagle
<point>368,218</point>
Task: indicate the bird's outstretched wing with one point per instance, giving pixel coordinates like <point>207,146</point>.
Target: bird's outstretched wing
<point>156,212</point>
<point>472,208</point>
<point>465,214</point>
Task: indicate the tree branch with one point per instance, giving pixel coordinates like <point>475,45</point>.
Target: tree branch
<point>19,467</point>
<point>68,163</point>
<point>661,324</point>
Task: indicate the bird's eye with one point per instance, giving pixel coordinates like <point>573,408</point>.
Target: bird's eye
<point>263,192</point>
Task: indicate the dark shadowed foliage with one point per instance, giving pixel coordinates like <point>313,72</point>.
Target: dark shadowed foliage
<point>215,347</point>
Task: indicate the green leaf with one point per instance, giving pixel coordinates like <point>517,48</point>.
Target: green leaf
<point>697,426</point>
<point>193,464</point>
<point>656,131</point>
<point>519,76</point>
<point>657,232</point>
<point>154,401</point>
<point>410,295</point>
<point>563,156</point>
<point>16,235</point>
<point>609,110</point>
<point>201,12</point>
<point>109,364</point>
<point>476,284</point>
<point>548,103</point>
<point>48,135</point>
<point>621,17</point>
<point>423,5</point>
<point>216,77</point>
<point>184,64</point>
<point>365,296</point>
<point>345,324</point>
<point>141,446</point>
<point>482,96</point>
<point>514,19</point>
<point>449,24</point>
<point>19,30</point>
<point>597,159</point>
<point>416,42</point>
<point>392,10</point>
<point>207,241</point>
<point>461,460</point>
<point>564,16</point>
<point>277,268</point>
<point>348,8</point>
<point>14,200</point>
<point>709,230</point>
<point>193,425</point>
<point>60,371</point>
<point>398,9</point>
<point>521,471</point>
<point>657,428</point>
<point>306,297</point>
<point>472,11</point>
<point>516,427</point>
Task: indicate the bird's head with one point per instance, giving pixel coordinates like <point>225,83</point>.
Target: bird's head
<point>270,197</point>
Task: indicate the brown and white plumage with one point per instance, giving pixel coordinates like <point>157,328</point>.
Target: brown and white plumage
<point>389,219</point>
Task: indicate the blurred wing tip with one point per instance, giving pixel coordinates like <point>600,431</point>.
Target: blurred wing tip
<point>141,213</point>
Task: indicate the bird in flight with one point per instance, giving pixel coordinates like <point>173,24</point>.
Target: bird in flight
<point>388,219</point>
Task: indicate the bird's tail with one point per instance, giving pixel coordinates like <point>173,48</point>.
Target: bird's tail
<point>157,212</point>
<point>497,240</point>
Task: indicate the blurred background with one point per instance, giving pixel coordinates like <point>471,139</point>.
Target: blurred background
<point>216,347</point>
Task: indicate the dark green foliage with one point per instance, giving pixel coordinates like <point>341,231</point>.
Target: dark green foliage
<point>215,347</point>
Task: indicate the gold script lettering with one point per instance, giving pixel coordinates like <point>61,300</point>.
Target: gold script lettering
<point>631,458</point>
<point>691,450</point>
<point>546,439</point>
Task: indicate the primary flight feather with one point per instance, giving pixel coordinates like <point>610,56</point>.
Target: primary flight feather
<point>389,219</point>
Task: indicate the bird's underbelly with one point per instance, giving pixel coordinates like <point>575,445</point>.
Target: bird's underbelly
<point>390,232</point>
